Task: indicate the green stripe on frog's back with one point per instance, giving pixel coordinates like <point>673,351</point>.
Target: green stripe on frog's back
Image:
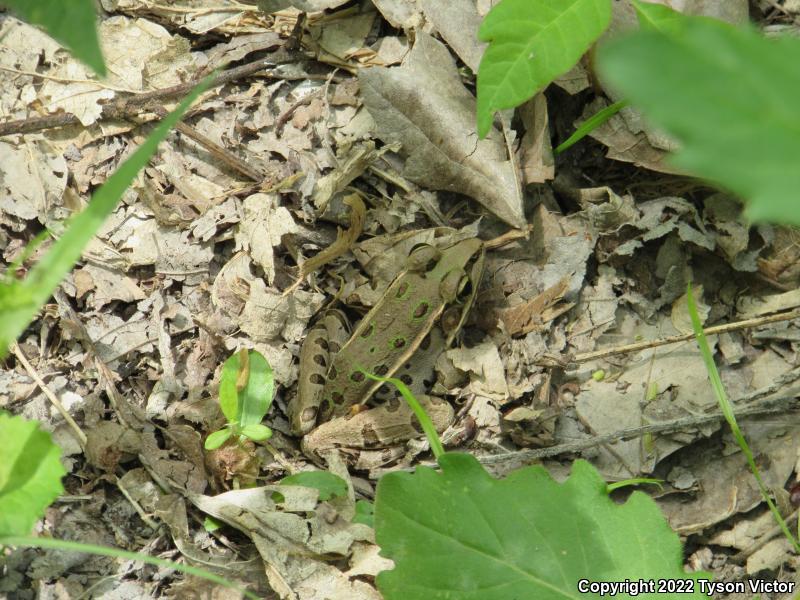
<point>391,332</point>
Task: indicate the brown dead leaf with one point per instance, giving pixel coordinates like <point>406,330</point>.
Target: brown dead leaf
<point>457,22</point>
<point>537,164</point>
<point>424,105</point>
<point>537,312</point>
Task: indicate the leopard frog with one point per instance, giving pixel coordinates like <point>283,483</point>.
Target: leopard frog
<point>436,286</point>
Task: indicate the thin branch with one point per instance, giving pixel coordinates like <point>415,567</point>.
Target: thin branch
<point>136,104</point>
<point>746,324</point>
<point>49,393</point>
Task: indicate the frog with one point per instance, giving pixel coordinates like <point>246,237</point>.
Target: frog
<point>415,320</point>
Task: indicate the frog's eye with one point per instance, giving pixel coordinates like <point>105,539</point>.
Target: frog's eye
<point>451,319</point>
<point>423,257</point>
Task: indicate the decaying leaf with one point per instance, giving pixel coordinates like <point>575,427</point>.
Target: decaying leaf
<point>537,312</point>
<point>424,106</point>
<point>457,21</point>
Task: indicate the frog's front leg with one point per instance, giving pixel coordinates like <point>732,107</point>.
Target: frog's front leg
<point>381,427</point>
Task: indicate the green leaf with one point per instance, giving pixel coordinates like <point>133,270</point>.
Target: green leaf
<point>228,394</point>
<point>257,395</point>
<point>256,432</point>
<point>45,275</point>
<point>365,513</point>
<point>69,23</point>
<point>591,124</point>
<point>30,474</point>
<point>216,439</point>
<point>730,98</point>
<point>210,524</point>
<point>531,42</point>
<point>462,535</point>
<point>424,420</point>
<point>246,389</point>
<point>328,484</point>
<point>658,17</point>
<point>727,410</point>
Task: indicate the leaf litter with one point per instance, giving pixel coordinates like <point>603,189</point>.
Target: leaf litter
<point>194,263</point>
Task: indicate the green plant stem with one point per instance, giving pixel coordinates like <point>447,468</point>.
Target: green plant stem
<point>54,544</point>
<point>727,410</point>
<point>636,481</point>
<point>424,419</point>
<point>591,124</point>
<point>33,291</point>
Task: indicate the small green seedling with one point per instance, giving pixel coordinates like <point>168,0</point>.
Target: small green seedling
<point>246,390</point>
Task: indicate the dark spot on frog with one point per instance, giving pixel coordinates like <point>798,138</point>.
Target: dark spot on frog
<point>406,378</point>
<point>416,424</point>
<point>426,342</point>
<point>317,379</point>
<point>334,347</point>
<point>407,365</point>
<point>320,360</point>
<point>357,376</point>
<point>402,289</point>
<point>370,436</point>
<point>337,397</point>
<point>380,370</point>
<point>392,405</point>
<point>368,331</point>
<point>397,343</point>
<point>333,373</point>
<point>427,383</point>
<point>321,342</point>
<point>421,310</point>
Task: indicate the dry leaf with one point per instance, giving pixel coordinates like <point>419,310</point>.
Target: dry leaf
<point>424,106</point>
<point>537,312</point>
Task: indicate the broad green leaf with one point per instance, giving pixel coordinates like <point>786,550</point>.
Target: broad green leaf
<point>70,23</point>
<point>257,395</point>
<point>30,474</point>
<point>246,388</point>
<point>658,17</point>
<point>256,432</point>
<point>45,275</point>
<point>228,394</point>
<point>531,42</point>
<point>216,439</point>
<point>730,96</point>
<point>459,534</point>
<point>328,484</point>
<point>365,513</point>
